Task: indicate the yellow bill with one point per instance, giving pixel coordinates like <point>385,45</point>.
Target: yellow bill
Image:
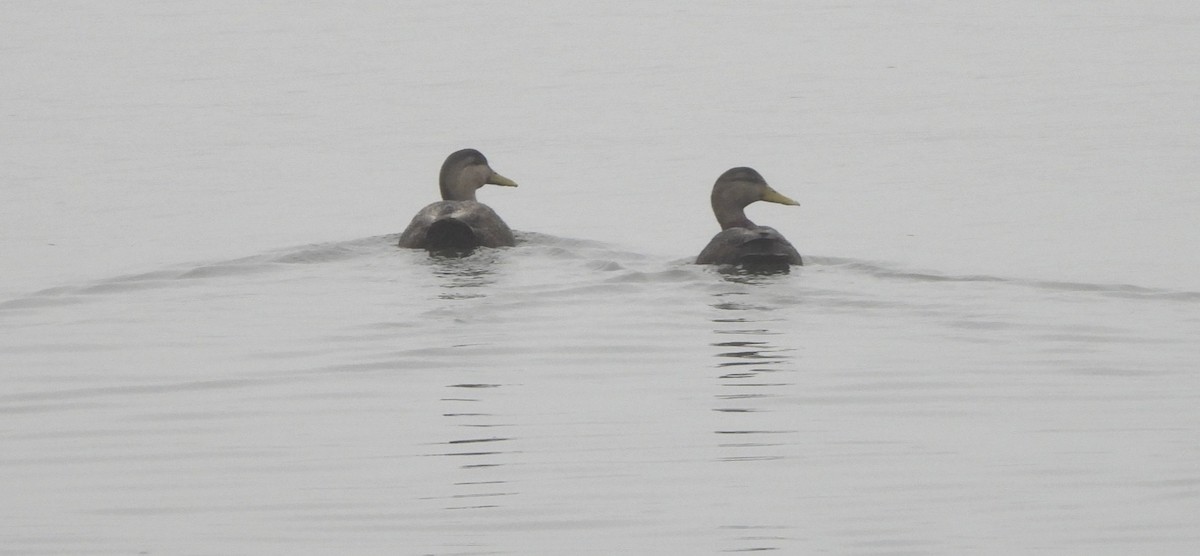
<point>497,179</point>
<point>772,196</point>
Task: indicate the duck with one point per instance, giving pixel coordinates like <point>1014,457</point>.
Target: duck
<point>459,222</point>
<point>742,242</point>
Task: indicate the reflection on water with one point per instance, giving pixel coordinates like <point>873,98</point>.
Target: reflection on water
<point>462,274</point>
<point>752,369</point>
<point>475,449</point>
<point>759,538</point>
<point>753,274</point>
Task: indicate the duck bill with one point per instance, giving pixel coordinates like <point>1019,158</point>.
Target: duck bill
<point>773,196</point>
<point>497,179</point>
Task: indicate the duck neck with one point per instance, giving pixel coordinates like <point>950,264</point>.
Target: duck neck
<point>457,192</point>
<point>732,217</point>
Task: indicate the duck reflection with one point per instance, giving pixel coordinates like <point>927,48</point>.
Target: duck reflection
<point>752,368</point>
<point>480,450</point>
<point>753,371</point>
<point>751,272</point>
<point>465,277</point>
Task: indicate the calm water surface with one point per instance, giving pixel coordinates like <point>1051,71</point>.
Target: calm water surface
<point>562,396</point>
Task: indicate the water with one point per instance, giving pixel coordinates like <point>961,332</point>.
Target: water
<point>562,396</point>
<point>210,345</point>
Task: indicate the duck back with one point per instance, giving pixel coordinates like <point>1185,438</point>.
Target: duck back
<point>761,247</point>
<point>456,226</point>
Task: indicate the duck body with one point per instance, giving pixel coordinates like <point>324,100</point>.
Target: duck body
<point>456,225</point>
<point>460,223</point>
<point>758,247</point>
<point>742,242</point>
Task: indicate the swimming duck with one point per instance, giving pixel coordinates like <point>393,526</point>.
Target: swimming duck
<point>458,222</point>
<point>742,242</point>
